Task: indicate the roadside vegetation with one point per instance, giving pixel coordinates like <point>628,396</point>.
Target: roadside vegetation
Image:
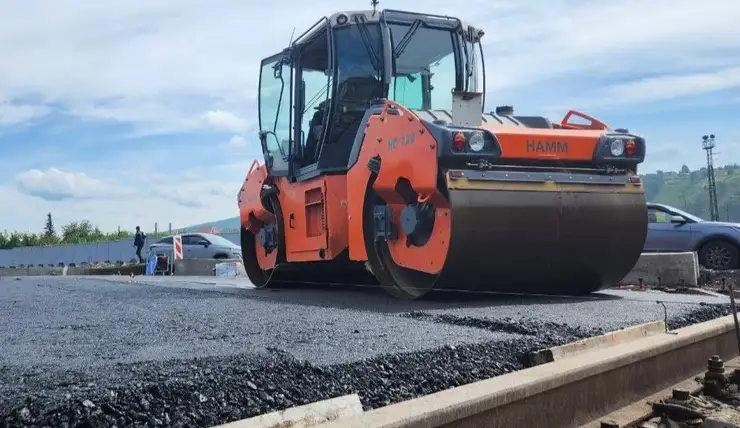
<point>688,190</point>
<point>75,232</point>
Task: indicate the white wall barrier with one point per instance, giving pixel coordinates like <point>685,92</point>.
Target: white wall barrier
<point>112,251</point>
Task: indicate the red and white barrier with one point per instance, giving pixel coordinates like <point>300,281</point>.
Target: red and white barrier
<point>177,246</point>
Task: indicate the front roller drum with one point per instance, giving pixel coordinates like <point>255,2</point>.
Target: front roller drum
<point>549,242</point>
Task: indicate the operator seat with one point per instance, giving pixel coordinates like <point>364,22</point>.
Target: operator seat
<point>315,126</point>
<point>354,97</point>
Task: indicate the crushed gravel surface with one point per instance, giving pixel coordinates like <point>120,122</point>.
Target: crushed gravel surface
<point>101,353</point>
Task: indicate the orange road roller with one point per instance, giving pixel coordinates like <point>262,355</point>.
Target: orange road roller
<point>381,167</point>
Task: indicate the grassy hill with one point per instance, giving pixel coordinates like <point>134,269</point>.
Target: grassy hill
<point>225,225</point>
<point>688,190</point>
<point>684,189</point>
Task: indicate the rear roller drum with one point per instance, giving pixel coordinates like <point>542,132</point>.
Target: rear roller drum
<point>398,281</point>
<point>264,251</point>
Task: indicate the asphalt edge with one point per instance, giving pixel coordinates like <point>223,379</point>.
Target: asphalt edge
<point>607,339</point>
<point>567,392</point>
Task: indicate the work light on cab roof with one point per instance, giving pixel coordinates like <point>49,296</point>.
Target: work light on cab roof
<point>382,166</point>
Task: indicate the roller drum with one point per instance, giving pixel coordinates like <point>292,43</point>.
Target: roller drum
<point>569,242</point>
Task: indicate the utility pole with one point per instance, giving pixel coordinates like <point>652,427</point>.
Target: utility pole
<point>708,145</point>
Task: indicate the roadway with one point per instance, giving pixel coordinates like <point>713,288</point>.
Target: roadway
<point>171,351</point>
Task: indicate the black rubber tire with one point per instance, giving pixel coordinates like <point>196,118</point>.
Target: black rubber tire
<point>719,255</point>
<point>220,256</point>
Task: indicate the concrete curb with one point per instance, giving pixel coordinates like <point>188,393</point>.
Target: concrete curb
<point>308,415</point>
<point>200,267</point>
<point>602,341</point>
<point>565,393</point>
<point>74,271</point>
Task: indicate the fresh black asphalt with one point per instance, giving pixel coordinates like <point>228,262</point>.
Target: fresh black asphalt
<point>96,352</point>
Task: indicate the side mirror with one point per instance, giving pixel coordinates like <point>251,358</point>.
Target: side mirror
<point>677,219</point>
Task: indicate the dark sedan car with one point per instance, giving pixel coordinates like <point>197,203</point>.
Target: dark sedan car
<point>673,230</point>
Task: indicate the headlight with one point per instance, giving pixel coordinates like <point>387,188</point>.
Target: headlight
<point>617,147</point>
<point>476,141</point>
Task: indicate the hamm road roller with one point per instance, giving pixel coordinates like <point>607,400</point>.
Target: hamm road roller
<point>382,167</point>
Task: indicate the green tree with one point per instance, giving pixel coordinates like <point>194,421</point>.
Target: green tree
<point>80,232</point>
<point>685,169</point>
<point>14,240</point>
<point>50,236</point>
<point>49,226</point>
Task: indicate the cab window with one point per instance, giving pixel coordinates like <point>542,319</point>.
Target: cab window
<point>315,78</point>
<point>275,110</point>
<point>424,72</point>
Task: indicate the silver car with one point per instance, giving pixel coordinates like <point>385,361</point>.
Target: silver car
<point>198,246</point>
<point>673,230</point>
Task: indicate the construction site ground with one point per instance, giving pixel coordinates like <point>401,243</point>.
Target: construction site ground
<point>711,400</point>
<point>168,351</point>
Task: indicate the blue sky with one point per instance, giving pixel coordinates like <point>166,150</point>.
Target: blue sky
<point>139,112</point>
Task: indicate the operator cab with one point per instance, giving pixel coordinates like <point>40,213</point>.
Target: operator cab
<point>314,95</point>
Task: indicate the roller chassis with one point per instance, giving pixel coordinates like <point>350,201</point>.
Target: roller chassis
<point>372,221</point>
<point>541,207</point>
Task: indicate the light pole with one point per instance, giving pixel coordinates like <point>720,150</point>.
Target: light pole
<point>708,144</point>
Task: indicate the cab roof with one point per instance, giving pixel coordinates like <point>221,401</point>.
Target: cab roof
<point>342,18</point>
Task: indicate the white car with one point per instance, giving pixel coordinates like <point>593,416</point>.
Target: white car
<point>198,246</point>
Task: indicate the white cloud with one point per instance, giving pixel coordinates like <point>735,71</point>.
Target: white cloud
<point>181,199</point>
<point>674,86</point>
<point>235,142</point>
<point>599,38</point>
<point>664,87</point>
<point>221,120</point>
<point>188,189</point>
<point>143,209</point>
<point>56,185</point>
<point>80,54</point>
<point>12,114</point>
<point>196,192</point>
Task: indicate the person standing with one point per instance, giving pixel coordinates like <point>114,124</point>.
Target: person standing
<point>139,243</point>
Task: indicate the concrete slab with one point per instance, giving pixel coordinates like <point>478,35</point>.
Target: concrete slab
<point>33,271</point>
<point>199,267</point>
<point>304,416</point>
<point>667,269</point>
